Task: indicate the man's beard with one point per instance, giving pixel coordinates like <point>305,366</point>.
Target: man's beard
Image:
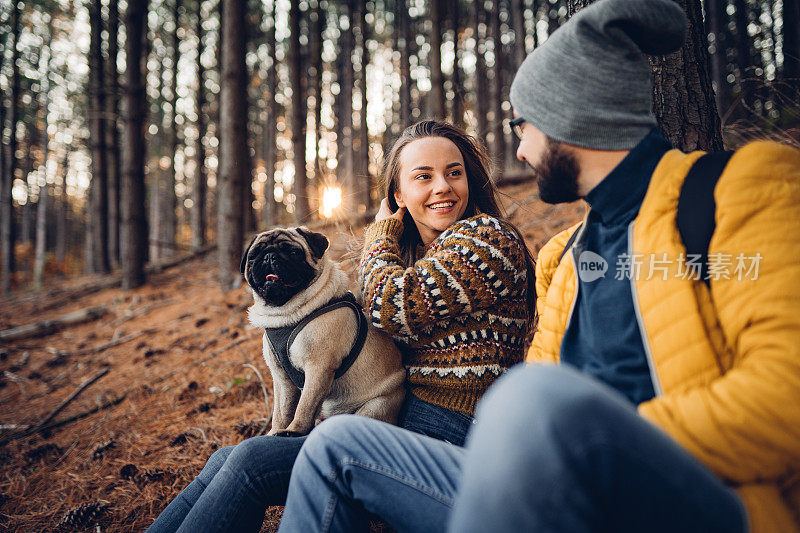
<point>557,174</point>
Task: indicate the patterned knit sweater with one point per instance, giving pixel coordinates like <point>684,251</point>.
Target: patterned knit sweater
<point>459,312</point>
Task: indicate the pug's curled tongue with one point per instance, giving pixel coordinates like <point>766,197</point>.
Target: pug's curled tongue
<point>272,277</point>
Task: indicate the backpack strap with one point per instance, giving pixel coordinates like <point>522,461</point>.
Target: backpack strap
<point>695,218</point>
<point>570,242</point>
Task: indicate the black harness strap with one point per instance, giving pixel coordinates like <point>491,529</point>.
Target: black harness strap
<point>697,208</point>
<point>570,242</point>
<point>281,339</point>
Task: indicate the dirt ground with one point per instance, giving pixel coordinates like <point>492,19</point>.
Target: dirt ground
<point>177,387</point>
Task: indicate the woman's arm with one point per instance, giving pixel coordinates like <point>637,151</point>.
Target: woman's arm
<point>471,266</point>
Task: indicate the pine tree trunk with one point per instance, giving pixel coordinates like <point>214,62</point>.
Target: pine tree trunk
<point>518,22</point>
<point>744,59</point>
<point>170,201</point>
<point>198,212</point>
<point>315,81</point>
<point>436,100</point>
<point>481,92</point>
<point>300,187</point>
<point>41,208</point>
<point>790,74</point>
<point>458,73</point>
<point>403,40</point>
<point>270,210</point>
<point>364,178</point>
<point>156,176</point>
<point>344,114</point>
<point>62,220</point>
<point>99,218</point>
<point>718,18</point>
<point>683,99</point>
<point>499,151</point>
<point>7,222</point>
<point>112,133</point>
<point>133,228</point>
<point>233,171</point>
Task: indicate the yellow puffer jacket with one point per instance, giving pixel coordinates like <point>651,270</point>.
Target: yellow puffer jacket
<point>725,361</point>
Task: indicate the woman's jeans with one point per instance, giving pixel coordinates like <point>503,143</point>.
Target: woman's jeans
<point>552,450</point>
<point>239,482</point>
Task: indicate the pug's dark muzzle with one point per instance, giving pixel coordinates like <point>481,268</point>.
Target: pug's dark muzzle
<point>278,274</point>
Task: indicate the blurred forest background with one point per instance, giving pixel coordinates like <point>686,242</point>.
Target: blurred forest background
<point>135,131</point>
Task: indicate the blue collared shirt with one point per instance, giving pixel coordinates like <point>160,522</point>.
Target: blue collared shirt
<point>603,338</point>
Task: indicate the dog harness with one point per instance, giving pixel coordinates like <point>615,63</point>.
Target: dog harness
<point>281,339</point>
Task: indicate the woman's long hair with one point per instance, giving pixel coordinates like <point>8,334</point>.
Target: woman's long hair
<point>482,193</point>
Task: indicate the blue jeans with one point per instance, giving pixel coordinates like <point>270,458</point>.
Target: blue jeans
<point>553,450</point>
<point>239,482</point>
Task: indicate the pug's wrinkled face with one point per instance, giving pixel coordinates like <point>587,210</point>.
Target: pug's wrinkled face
<point>281,263</point>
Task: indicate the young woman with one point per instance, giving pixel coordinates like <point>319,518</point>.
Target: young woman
<point>452,283</point>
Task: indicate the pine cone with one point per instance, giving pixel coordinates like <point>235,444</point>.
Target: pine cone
<point>83,515</point>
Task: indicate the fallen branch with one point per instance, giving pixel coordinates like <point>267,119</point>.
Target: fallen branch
<point>59,423</point>
<point>45,327</point>
<point>117,342</point>
<point>71,397</point>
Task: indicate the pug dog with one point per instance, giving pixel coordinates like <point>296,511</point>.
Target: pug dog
<point>324,356</point>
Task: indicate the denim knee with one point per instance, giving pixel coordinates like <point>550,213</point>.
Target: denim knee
<point>553,398</point>
<point>214,463</point>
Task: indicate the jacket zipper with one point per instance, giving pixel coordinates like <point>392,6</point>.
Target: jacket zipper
<point>637,310</point>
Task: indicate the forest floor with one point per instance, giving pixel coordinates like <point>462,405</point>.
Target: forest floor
<point>176,387</point>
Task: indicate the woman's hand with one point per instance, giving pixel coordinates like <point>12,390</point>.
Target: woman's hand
<point>384,212</point>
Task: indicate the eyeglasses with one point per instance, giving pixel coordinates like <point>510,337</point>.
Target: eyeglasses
<point>516,126</point>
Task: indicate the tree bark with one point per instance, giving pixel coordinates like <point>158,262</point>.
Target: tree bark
<point>299,112</point>
<point>499,151</point>
<point>198,212</point>
<point>41,208</point>
<point>7,222</point>
<point>133,229</point>
<point>683,98</point>
<point>364,177</point>
<point>718,18</point>
<point>344,137</point>
<point>317,24</point>
<point>790,75</point>
<point>458,74</point>
<point>270,210</point>
<point>481,92</point>
<point>436,100</point>
<point>233,171</point>
<point>744,59</point>
<point>518,22</point>
<point>403,41</point>
<point>112,133</point>
<point>99,218</point>
<point>62,218</point>
<point>170,201</point>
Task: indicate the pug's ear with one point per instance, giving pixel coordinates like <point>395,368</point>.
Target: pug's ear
<point>317,242</point>
<point>244,255</point>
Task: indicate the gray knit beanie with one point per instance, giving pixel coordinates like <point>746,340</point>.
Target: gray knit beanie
<point>588,84</point>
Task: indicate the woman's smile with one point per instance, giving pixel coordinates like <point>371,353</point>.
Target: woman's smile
<point>433,185</point>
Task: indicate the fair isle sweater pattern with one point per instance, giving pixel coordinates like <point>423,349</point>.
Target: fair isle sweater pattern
<point>460,309</point>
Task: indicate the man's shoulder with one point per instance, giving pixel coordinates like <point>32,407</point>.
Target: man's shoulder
<point>551,253</point>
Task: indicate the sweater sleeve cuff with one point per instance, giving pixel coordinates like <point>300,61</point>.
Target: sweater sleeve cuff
<point>389,228</point>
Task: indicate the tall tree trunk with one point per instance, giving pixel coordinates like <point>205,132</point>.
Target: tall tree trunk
<point>133,230</point>
<point>344,137</point>
<point>458,74</point>
<point>299,112</point>
<point>744,59</point>
<point>170,201</point>
<point>481,92</point>
<point>790,74</point>
<point>717,17</point>
<point>62,220</point>
<point>518,21</point>
<point>682,94</point>
<point>41,208</point>
<point>315,80</point>
<point>436,100</point>
<point>233,172</point>
<point>156,177</point>
<point>403,40</point>
<point>31,141</point>
<point>198,212</point>
<point>499,151</point>
<point>270,210</point>
<point>99,218</point>
<point>364,178</point>
<point>112,133</point>
<point>7,222</point>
